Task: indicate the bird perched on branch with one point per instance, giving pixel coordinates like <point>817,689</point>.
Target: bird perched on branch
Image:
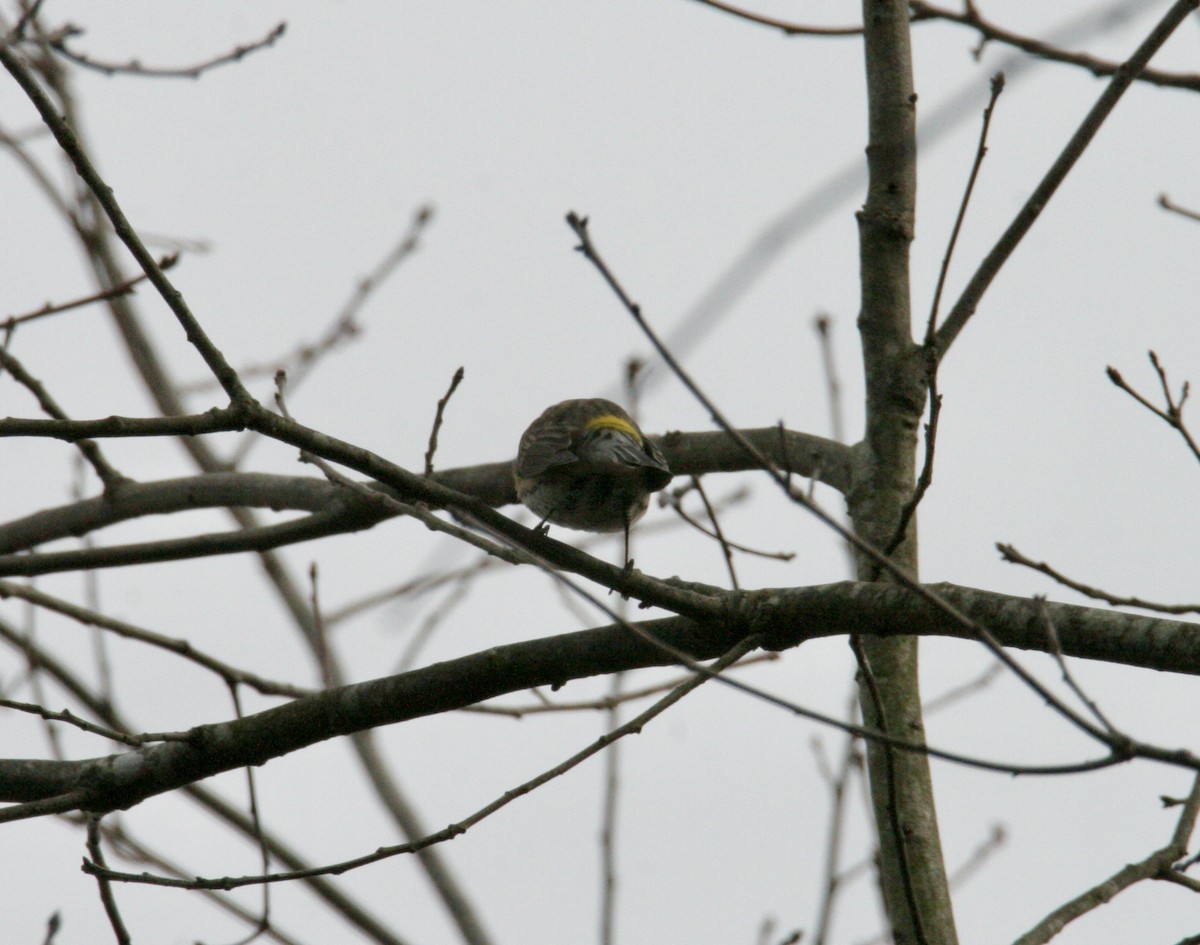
<point>585,464</point>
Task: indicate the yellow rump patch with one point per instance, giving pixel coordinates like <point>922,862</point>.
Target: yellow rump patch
<point>611,422</point>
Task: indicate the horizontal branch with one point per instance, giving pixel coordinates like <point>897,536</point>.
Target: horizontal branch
<point>217,420</point>
<point>136,499</point>
<point>340,511</point>
<point>692,454</point>
<point>687,453</point>
<point>788,616</point>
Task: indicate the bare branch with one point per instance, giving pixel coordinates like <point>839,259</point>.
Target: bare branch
<point>68,717</point>
<point>1165,202</point>
<point>58,42</point>
<point>300,362</point>
<point>49,308</point>
<point>1172,414</point>
<point>103,884</point>
<point>1010,553</point>
<point>787,617</point>
<point>633,726</point>
<point>180,647</point>
<point>91,451</point>
<point>673,499</point>
<point>990,32</point>
<point>1157,865</point>
<point>788,29</point>
<point>217,420</point>
<point>70,145</point>
<point>437,420</point>
<point>880,560</point>
<point>1122,78</point>
<point>337,900</point>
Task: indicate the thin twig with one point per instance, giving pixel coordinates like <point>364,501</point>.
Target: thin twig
<point>262,538</point>
<point>179,646</point>
<point>301,360</point>
<point>608,817</point>
<point>28,15</point>
<point>437,420</point>
<point>603,703</point>
<point>91,597</point>
<point>1055,649</point>
<point>321,651</point>
<point>34,671</point>
<point>989,32</point>
<point>823,323</point>
<point>108,475</point>
<point>54,923</point>
<point>134,67</point>
<point>838,781</point>
<point>67,716</point>
<point>997,87</point>
<point>104,885</point>
<point>925,479</point>
<point>1173,413</point>
<point>787,28</point>
<point>995,839</point>
<point>1158,865</point>
<point>833,388</point>
<point>673,501</point>
<point>416,587</point>
<point>69,142</point>
<point>899,835</point>
<point>1011,554</point>
<point>726,548</point>
<point>929,347</point>
<point>50,308</point>
<point>1165,202</point>
<point>259,835</point>
<point>130,848</point>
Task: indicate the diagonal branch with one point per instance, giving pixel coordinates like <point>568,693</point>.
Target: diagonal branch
<point>67,140</point>
<point>990,32</point>
<point>1124,76</point>
<point>1155,866</point>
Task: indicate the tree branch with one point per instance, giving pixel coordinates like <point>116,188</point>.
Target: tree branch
<point>1122,78</point>
<point>1154,866</point>
<point>788,617</point>
<point>990,32</point>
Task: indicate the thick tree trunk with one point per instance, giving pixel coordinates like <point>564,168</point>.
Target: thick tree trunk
<point>913,875</point>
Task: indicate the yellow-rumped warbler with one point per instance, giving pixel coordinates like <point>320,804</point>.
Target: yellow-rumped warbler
<point>585,464</point>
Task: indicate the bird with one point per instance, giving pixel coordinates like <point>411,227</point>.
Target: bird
<point>585,464</point>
